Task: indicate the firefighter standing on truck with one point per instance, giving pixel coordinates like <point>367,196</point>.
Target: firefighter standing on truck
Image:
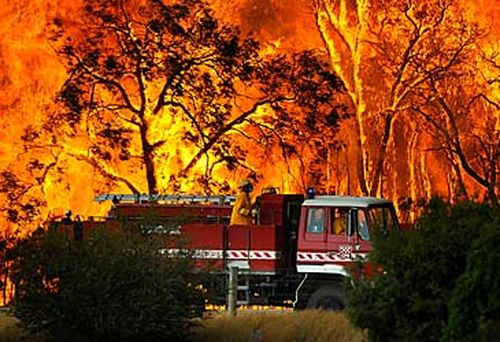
<point>242,209</point>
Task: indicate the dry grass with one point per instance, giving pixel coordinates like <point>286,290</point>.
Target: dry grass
<point>248,326</point>
<point>9,332</point>
<point>279,326</point>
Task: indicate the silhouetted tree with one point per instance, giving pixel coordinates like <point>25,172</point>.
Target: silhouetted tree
<point>146,77</point>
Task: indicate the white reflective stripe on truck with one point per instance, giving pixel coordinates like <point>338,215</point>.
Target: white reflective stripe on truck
<point>325,268</point>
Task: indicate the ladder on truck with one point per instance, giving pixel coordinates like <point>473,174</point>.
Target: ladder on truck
<point>243,289</point>
<point>175,198</point>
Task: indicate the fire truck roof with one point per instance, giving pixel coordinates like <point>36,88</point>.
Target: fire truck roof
<point>345,201</point>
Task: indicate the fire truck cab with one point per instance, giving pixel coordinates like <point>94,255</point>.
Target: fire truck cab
<point>334,232</point>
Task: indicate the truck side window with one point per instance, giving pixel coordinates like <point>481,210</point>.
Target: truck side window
<point>339,217</point>
<point>363,230</point>
<point>316,220</point>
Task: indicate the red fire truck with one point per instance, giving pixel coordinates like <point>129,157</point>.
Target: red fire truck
<point>296,252</point>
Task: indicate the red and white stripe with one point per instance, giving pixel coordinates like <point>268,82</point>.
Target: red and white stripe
<point>264,255</point>
<point>328,257</point>
<point>237,254</point>
<point>232,254</point>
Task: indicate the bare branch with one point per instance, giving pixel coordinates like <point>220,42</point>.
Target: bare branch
<point>102,79</point>
<point>157,144</point>
<point>484,97</point>
<point>456,140</point>
<point>189,115</point>
<point>116,109</point>
<point>229,126</point>
<point>183,68</point>
<point>107,174</point>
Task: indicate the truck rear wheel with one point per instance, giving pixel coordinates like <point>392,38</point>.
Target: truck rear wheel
<point>327,298</point>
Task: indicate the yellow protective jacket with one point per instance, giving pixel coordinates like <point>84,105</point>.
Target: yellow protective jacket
<point>242,208</point>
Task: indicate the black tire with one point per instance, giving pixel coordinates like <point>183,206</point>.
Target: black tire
<point>328,298</point>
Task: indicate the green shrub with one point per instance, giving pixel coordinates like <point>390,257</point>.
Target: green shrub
<point>110,287</point>
<point>409,299</point>
<point>475,302</point>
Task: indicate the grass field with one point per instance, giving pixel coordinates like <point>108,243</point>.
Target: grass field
<point>279,326</point>
<point>247,326</point>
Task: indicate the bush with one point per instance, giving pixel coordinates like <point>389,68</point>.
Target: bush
<point>475,302</point>
<point>111,287</point>
<point>409,299</point>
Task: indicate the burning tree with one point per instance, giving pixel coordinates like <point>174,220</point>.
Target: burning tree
<point>168,89</point>
<point>396,58</point>
<point>21,204</point>
<point>463,116</point>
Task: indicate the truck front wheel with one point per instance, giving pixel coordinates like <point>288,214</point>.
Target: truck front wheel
<point>327,298</point>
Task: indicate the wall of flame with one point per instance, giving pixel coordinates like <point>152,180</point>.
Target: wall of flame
<point>31,74</point>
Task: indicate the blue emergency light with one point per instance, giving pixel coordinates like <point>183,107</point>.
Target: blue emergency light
<point>310,192</point>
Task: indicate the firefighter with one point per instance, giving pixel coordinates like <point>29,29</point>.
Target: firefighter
<point>242,209</point>
<point>339,220</point>
<point>78,229</point>
<point>67,217</point>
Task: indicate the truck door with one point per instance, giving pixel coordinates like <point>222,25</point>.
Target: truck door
<point>361,233</point>
<point>315,231</point>
<point>291,226</point>
<point>370,221</point>
<point>339,234</point>
<point>311,240</point>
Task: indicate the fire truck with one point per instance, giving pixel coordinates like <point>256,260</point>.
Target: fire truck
<point>296,252</point>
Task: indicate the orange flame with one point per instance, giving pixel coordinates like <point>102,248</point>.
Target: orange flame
<point>32,75</point>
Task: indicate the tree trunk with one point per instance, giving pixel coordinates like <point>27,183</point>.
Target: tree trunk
<point>461,192</point>
<point>360,159</point>
<point>492,195</point>
<point>412,165</point>
<point>148,159</point>
<point>379,167</point>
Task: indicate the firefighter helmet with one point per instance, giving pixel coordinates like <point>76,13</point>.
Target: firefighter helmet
<point>243,182</point>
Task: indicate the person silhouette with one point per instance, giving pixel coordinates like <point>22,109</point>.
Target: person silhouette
<point>339,220</point>
<point>317,220</point>
<point>67,217</point>
<point>78,229</point>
